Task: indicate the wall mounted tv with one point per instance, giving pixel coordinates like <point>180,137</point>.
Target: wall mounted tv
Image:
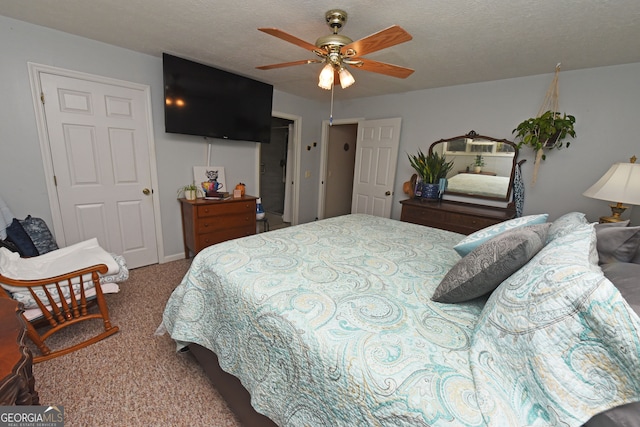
<point>205,101</point>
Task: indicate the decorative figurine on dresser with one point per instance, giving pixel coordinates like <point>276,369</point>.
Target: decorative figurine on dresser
<point>466,201</point>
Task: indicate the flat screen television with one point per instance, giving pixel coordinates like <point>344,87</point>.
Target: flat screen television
<point>205,101</point>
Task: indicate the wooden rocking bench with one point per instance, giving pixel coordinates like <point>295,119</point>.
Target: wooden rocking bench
<point>63,301</point>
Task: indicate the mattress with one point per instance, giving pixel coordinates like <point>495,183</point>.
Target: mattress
<point>331,323</point>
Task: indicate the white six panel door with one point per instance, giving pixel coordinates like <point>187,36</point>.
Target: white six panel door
<point>100,153</point>
<point>375,168</point>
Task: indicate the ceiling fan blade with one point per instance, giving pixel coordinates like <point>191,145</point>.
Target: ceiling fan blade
<point>381,40</point>
<point>289,64</point>
<point>384,68</point>
<point>289,38</point>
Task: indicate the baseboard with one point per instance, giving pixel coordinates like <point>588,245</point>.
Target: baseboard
<point>174,257</point>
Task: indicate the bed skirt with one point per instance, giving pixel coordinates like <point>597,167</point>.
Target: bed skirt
<point>231,389</point>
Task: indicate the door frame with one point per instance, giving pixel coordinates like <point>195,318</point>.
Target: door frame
<point>324,154</point>
<point>45,148</point>
<point>297,138</point>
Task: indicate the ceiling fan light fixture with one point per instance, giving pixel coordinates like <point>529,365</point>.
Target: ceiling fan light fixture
<point>346,79</point>
<point>325,80</point>
<point>337,51</point>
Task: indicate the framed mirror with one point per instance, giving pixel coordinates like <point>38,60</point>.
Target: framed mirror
<point>484,167</point>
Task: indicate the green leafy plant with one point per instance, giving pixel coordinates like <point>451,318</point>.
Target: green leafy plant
<point>430,168</point>
<point>186,188</point>
<point>547,131</point>
<point>479,161</point>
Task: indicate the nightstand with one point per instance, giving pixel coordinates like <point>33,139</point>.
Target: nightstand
<point>207,222</point>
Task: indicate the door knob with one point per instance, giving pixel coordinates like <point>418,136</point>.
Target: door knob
<point>146,191</point>
<point>388,193</point>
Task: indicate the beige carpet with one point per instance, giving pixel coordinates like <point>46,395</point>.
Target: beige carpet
<point>133,378</point>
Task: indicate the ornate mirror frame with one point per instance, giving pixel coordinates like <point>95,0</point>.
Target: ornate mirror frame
<point>495,181</point>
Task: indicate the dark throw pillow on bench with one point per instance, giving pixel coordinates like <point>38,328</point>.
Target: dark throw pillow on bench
<point>19,237</point>
<point>39,234</point>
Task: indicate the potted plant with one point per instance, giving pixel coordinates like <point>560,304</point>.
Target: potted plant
<point>431,169</point>
<point>547,131</point>
<point>478,163</point>
<point>190,191</point>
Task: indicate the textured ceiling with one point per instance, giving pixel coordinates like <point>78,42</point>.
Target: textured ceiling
<point>454,41</point>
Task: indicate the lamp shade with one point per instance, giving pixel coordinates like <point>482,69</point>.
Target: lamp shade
<point>346,79</point>
<point>325,81</point>
<point>621,184</point>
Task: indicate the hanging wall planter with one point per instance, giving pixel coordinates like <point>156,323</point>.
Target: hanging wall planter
<point>548,130</point>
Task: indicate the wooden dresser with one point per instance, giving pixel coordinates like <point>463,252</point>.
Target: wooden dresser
<point>17,385</point>
<point>207,222</point>
<point>464,218</point>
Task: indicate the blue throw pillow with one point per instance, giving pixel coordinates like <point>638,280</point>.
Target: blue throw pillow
<point>20,238</point>
<point>474,240</point>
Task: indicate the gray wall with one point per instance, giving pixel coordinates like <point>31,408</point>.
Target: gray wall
<point>606,102</point>
<point>22,178</point>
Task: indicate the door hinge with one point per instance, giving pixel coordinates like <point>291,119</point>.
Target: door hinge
<point>55,181</point>
<point>42,97</point>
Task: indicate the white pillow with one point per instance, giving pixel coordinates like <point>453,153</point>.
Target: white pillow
<point>474,240</point>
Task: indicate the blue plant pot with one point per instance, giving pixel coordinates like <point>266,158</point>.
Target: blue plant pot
<point>430,191</point>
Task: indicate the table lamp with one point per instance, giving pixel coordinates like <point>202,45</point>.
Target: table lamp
<point>621,184</point>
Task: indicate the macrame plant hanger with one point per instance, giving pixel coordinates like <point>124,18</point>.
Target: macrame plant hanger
<point>550,103</point>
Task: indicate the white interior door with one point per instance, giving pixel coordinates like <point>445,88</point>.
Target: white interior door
<point>99,141</point>
<point>375,168</point>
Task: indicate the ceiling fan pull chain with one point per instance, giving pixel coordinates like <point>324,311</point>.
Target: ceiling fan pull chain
<point>331,112</point>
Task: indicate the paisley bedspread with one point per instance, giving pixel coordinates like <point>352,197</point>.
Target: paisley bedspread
<point>330,323</point>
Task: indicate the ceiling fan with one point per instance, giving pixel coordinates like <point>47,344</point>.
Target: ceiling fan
<point>338,51</point>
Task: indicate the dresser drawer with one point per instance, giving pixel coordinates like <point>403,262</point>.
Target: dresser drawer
<point>226,209</point>
<point>208,239</point>
<point>469,221</point>
<point>419,215</point>
<point>226,221</point>
<point>458,217</point>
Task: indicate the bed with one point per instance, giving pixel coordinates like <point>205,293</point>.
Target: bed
<point>479,185</point>
<point>331,323</point>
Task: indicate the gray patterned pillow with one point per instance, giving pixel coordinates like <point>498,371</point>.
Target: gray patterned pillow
<point>40,235</point>
<point>565,225</point>
<point>484,268</point>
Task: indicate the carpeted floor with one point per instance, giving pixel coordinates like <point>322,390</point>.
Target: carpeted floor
<point>133,378</point>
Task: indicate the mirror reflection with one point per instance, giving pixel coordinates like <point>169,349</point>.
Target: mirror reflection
<point>484,167</point>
